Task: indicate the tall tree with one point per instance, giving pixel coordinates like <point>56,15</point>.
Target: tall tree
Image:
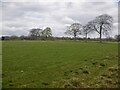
<point>74,29</point>
<point>47,32</point>
<point>35,32</point>
<point>87,28</point>
<point>117,37</point>
<point>103,24</point>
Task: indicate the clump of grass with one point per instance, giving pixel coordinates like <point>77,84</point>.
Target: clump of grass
<point>75,82</point>
<point>10,81</point>
<point>108,76</point>
<point>44,83</point>
<point>33,81</point>
<point>94,63</point>
<point>109,81</point>
<point>21,71</point>
<point>97,85</point>
<point>107,57</point>
<point>81,68</point>
<point>67,86</point>
<point>101,77</point>
<point>23,86</point>
<point>104,75</point>
<point>102,64</point>
<point>112,69</point>
<point>11,84</point>
<point>65,73</point>
<point>77,72</point>
<point>3,74</point>
<point>85,71</point>
<point>69,83</point>
<point>86,67</point>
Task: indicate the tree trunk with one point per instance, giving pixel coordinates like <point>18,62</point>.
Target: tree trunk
<point>100,36</point>
<point>86,35</point>
<point>75,35</point>
<point>86,38</point>
<point>101,33</point>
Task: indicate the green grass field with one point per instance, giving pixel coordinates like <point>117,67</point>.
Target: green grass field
<point>59,64</point>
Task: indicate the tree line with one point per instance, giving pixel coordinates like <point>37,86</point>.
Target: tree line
<point>102,25</point>
<point>37,33</point>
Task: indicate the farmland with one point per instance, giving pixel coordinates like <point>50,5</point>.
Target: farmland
<point>59,64</point>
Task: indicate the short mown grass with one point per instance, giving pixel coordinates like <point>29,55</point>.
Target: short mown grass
<point>59,64</point>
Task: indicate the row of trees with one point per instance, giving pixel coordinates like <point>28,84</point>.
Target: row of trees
<point>38,33</point>
<point>101,24</point>
<point>116,38</point>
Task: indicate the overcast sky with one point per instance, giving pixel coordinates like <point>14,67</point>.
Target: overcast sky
<point>21,16</point>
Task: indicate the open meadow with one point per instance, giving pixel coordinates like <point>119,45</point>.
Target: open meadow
<point>59,64</point>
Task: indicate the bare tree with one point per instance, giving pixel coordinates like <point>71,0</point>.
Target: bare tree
<point>47,32</point>
<point>88,28</point>
<point>117,37</point>
<point>103,24</point>
<point>74,29</point>
<point>35,32</point>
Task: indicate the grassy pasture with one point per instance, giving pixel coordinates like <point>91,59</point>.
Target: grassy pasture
<point>59,64</point>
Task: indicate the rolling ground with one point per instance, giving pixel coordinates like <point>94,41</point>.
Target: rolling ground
<point>59,64</point>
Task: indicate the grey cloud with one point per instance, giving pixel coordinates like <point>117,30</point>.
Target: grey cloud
<point>19,18</point>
